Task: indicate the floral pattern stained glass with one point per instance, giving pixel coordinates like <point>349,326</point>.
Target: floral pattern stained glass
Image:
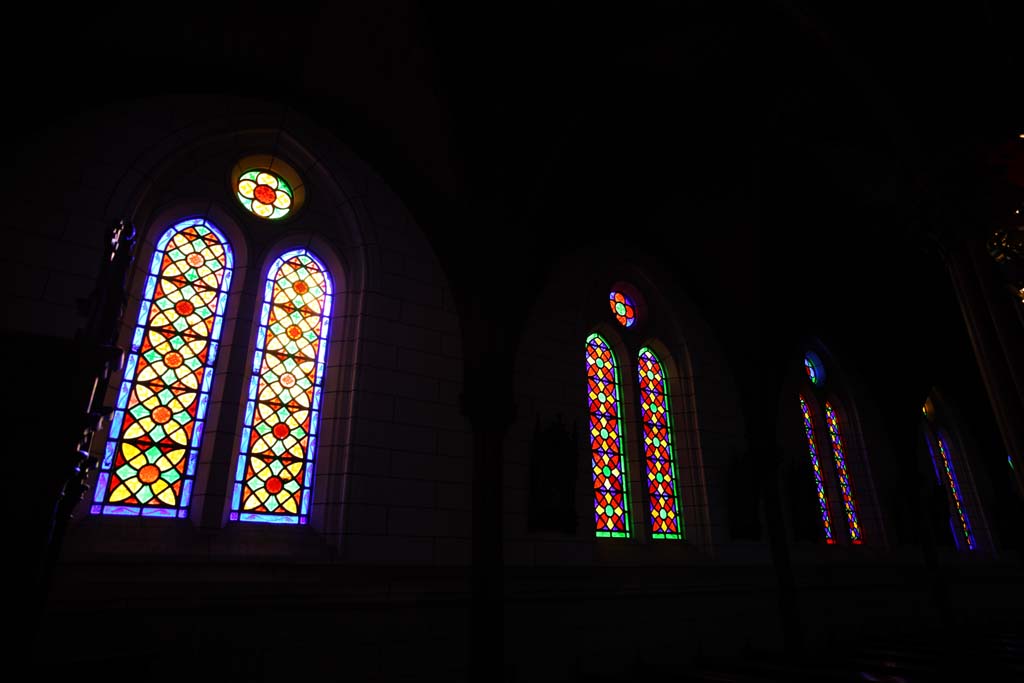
<point>274,477</point>
<point>666,515</point>
<point>844,480</point>
<point>623,308</point>
<point>264,193</point>
<point>611,510</point>
<point>818,481</point>
<point>149,462</point>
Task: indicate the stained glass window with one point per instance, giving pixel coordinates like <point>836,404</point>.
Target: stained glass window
<point>149,462</point>
<point>274,477</point>
<point>666,514</point>
<point>844,479</point>
<point>818,481</point>
<point>611,509</point>
<point>815,371</point>
<point>623,308</point>
<point>962,522</point>
<point>266,194</point>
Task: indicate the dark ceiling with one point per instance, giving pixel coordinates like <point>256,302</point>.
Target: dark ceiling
<point>783,160</point>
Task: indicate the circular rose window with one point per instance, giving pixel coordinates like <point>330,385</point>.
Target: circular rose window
<point>623,308</point>
<point>815,369</point>
<point>264,193</point>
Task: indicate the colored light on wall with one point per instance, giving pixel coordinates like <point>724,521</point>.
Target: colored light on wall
<point>844,480</point>
<point>623,308</point>
<point>818,480</point>
<point>666,513</point>
<point>611,507</point>
<point>264,193</point>
<point>274,477</point>
<point>150,457</point>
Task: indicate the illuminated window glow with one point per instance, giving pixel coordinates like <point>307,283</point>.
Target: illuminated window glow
<point>264,193</point>
<point>818,481</point>
<point>149,463</point>
<point>844,480</point>
<point>611,510</point>
<point>815,371</point>
<point>623,308</point>
<point>954,489</point>
<point>274,477</point>
<point>666,515</point>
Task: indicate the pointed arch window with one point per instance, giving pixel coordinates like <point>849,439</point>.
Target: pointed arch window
<point>813,422</point>
<point>943,454</point>
<point>839,454</point>
<point>150,457</point>
<point>943,461</point>
<point>826,519</point>
<point>611,505</point>
<point>277,453</point>
<point>666,512</point>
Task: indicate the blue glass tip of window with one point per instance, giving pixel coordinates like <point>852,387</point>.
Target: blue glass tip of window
<point>233,516</point>
<point>95,509</point>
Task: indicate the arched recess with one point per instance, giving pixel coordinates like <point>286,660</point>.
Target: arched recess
<point>186,175</point>
<point>551,388</point>
<point>827,475</point>
<point>958,514</point>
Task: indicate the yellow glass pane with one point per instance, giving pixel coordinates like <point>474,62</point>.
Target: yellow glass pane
<point>266,179</point>
<point>246,187</point>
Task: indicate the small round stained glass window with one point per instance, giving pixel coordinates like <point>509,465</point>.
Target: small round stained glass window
<point>264,193</point>
<point>623,308</point>
<point>815,370</point>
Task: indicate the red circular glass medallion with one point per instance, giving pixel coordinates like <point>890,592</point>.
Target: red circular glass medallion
<point>195,260</point>
<point>288,379</point>
<point>265,194</point>
<point>301,287</point>
<point>274,484</point>
<point>161,415</point>
<point>281,430</point>
<point>184,308</point>
<point>293,332</point>
<point>173,359</point>
<point>149,473</point>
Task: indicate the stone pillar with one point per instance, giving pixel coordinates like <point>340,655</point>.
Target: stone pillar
<point>997,337</point>
<point>487,403</point>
